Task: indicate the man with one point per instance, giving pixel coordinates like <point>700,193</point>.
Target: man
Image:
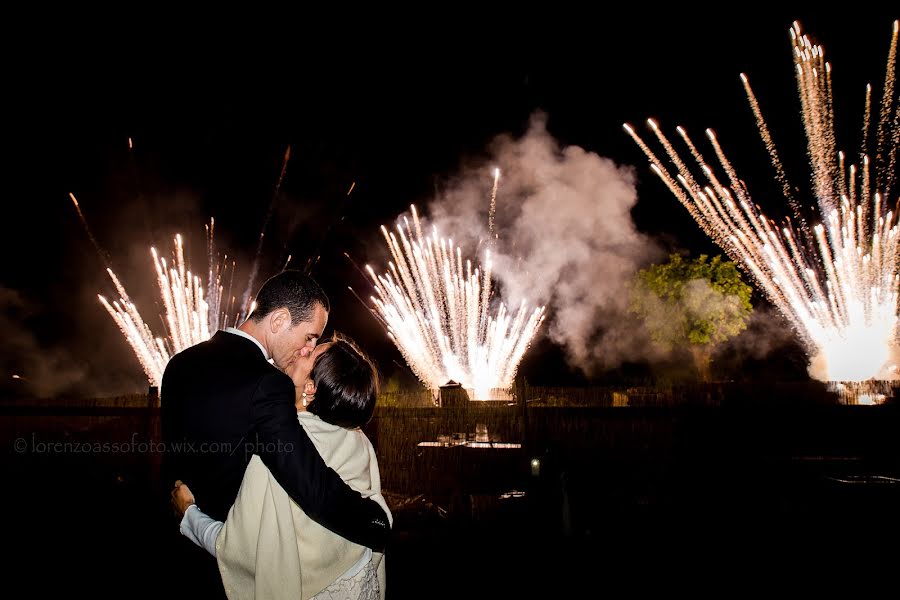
<point>222,401</point>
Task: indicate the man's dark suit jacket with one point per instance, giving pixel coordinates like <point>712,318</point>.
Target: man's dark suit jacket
<point>221,402</point>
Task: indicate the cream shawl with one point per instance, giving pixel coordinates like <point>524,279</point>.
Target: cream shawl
<point>270,549</point>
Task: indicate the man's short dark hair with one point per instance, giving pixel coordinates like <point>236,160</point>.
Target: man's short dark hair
<point>346,385</point>
<point>297,292</point>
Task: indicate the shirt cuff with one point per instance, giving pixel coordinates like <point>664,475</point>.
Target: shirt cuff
<point>200,528</point>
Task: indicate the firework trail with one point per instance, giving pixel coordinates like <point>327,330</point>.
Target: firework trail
<point>254,269</point>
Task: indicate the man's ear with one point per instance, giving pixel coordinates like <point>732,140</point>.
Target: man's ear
<point>280,318</point>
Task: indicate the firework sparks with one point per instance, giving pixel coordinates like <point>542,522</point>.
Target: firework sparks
<point>436,310</point>
<point>838,281</point>
<point>189,316</point>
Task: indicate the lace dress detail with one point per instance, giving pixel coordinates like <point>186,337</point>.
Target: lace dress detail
<point>362,585</point>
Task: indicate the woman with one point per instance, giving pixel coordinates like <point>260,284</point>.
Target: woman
<point>268,547</point>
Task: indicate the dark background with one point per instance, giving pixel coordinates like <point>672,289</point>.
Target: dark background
<point>395,105</point>
<point>769,494</point>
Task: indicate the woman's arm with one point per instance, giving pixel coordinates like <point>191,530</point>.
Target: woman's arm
<point>200,528</point>
<point>196,525</point>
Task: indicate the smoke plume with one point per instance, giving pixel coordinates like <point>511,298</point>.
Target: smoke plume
<point>564,237</point>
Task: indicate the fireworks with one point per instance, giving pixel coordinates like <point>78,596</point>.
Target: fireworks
<point>837,281</point>
<point>435,308</point>
<point>189,315</point>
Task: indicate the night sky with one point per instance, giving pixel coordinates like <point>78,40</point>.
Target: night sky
<point>398,111</point>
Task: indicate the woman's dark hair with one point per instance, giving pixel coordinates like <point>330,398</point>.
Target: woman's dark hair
<point>346,385</point>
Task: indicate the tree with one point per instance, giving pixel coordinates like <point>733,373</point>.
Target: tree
<point>693,304</point>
